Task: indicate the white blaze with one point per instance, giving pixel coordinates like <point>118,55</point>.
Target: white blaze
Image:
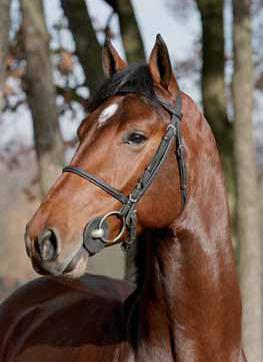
<point>107,113</point>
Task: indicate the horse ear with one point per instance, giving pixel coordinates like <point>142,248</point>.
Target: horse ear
<point>111,60</point>
<point>161,68</point>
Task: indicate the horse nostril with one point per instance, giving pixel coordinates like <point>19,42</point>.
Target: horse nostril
<point>48,245</point>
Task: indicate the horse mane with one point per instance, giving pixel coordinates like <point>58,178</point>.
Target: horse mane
<point>136,78</point>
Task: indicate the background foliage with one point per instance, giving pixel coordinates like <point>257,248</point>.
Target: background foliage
<point>50,64</point>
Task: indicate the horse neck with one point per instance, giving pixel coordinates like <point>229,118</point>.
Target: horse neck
<point>189,305</point>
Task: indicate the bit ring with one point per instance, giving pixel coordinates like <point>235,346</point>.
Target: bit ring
<point>123,226</point>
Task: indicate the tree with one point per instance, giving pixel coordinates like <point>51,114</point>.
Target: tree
<point>88,48</point>
<point>213,85</point>
<point>4,32</point>
<point>247,205</point>
<point>130,32</point>
<point>41,93</point>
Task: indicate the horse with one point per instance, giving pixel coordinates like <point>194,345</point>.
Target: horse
<point>144,138</point>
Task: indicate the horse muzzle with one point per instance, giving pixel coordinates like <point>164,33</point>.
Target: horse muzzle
<point>45,254</point>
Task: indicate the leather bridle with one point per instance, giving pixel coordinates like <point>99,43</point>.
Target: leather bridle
<point>95,233</point>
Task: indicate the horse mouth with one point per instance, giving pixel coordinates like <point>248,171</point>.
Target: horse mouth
<point>75,268</point>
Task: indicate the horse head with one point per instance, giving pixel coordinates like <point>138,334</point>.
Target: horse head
<point>117,142</point>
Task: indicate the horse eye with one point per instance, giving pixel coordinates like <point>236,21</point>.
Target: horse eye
<point>136,138</point>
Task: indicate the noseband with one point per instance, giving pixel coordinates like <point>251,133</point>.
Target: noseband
<point>95,233</point>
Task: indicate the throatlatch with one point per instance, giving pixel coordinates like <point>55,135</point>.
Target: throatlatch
<point>95,235</point>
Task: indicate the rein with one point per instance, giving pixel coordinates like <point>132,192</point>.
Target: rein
<point>95,233</point>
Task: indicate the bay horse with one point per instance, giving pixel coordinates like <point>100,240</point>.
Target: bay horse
<point>146,139</point>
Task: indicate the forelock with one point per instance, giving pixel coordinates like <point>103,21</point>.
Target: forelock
<point>134,79</point>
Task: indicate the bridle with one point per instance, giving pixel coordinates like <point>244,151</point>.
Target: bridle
<point>94,238</point>
<point>95,233</point>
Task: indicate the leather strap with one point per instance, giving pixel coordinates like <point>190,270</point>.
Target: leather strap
<point>180,150</point>
<point>98,182</point>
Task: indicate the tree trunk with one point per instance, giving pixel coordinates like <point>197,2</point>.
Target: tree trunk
<point>247,197</point>
<point>130,32</point>
<point>41,93</point>
<point>213,86</point>
<point>88,48</point>
<point>4,32</point>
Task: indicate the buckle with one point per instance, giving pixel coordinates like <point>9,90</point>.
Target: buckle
<point>131,199</point>
<point>170,125</point>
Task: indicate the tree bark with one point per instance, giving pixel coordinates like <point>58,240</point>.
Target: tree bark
<point>41,93</point>
<point>4,32</point>
<point>88,48</point>
<point>213,86</point>
<point>130,32</point>
<point>247,198</point>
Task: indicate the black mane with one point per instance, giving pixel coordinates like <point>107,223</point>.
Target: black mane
<point>134,79</point>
